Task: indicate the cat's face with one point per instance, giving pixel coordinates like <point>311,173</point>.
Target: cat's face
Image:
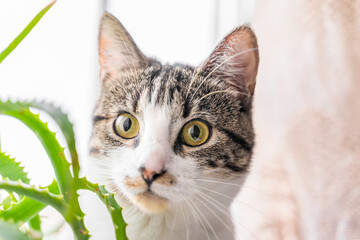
<point>163,133</point>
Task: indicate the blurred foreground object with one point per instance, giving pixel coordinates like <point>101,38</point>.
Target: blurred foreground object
<point>307,115</point>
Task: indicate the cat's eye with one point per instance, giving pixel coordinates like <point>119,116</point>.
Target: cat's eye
<point>195,133</point>
<point>126,126</point>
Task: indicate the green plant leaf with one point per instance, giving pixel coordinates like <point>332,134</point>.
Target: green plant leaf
<point>75,221</point>
<point>72,213</point>
<point>25,32</point>
<point>11,169</point>
<point>48,140</point>
<point>113,208</point>
<point>10,231</point>
<point>47,198</point>
<point>35,223</point>
<point>116,213</point>
<point>27,208</point>
<point>22,211</point>
<point>7,202</point>
<point>41,195</point>
<point>66,127</point>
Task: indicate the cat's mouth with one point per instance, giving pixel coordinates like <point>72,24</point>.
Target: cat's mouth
<point>151,203</point>
<point>146,199</point>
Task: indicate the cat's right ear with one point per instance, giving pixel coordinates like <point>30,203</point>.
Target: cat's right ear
<point>118,52</point>
<point>235,60</point>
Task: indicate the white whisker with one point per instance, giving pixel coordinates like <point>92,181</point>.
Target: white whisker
<point>223,208</point>
<point>186,220</point>
<point>196,216</point>
<point>174,222</point>
<point>226,226</point>
<point>235,185</point>
<point>221,194</point>
<point>206,221</point>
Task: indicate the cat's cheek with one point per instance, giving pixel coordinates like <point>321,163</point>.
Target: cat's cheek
<point>124,192</point>
<point>170,193</point>
<point>184,171</point>
<point>122,185</point>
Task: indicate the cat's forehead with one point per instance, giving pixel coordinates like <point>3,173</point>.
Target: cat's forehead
<point>179,87</point>
<point>166,85</point>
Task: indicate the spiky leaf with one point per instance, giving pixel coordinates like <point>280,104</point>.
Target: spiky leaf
<point>41,195</point>
<point>66,127</point>
<point>47,139</point>
<point>22,211</point>
<point>27,208</point>
<point>113,208</point>
<point>73,214</point>
<point>6,203</point>
<point>12,169</point>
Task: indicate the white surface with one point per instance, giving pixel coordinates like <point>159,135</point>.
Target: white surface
<point>58,62</point>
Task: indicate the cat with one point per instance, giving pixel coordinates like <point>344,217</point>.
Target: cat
<point>164,136</point>
<point>306,163</point>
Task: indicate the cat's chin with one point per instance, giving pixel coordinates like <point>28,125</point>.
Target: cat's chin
<point>151,203</point>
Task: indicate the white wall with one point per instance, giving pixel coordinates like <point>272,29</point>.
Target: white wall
<point>58,62</point>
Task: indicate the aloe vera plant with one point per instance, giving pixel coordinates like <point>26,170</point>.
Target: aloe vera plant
<point>62,194</point>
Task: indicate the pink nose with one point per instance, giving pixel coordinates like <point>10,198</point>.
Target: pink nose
<point>153,166</point>
<point>150,175</point>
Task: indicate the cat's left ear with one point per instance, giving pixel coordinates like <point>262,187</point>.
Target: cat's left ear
<point>117,50</point>
<point>235,60</point>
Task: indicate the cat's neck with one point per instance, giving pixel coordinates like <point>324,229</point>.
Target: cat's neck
<point>194,221</point>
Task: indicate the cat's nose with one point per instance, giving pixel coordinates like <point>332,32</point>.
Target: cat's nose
<point>150,175</point>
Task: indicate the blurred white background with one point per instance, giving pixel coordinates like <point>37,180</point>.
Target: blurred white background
<point>58,62</point>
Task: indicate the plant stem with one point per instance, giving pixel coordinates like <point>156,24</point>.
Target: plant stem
<point>113,208</point>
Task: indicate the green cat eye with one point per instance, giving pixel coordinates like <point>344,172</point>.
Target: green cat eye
<point>195,133</point>
<point>127,126</point>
